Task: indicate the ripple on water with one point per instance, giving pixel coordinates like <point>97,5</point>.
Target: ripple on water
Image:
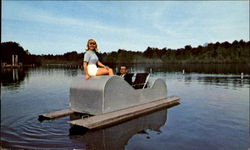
<point>28,132</point>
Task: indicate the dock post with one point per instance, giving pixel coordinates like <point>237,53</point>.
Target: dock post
<point>16,60</point>
<point>13,60</point>
<point>242,75</point>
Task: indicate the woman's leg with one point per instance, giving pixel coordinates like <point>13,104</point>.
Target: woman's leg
<point>110,72</point>
<point>103,71</point>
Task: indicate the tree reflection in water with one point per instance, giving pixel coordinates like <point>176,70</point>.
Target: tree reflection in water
<point>13,76</point>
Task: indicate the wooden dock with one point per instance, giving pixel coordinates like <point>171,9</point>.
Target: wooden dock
<point>56,114</point>
<point>111,118</point>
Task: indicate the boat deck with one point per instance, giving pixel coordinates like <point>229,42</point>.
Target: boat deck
<point>115,117</point>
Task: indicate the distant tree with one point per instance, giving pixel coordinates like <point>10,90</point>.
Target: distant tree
<point>164,49</point>
<point>188,47</point>
<point>226,44</point>
<point>71,55</point>
<point>13,48</point>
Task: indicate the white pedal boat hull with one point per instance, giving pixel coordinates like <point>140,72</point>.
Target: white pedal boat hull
<point>104,94</point>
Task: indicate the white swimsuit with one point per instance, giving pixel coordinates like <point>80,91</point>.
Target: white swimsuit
<point>92,69</point>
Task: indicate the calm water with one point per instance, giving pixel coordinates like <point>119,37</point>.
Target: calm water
<point>213,114</point>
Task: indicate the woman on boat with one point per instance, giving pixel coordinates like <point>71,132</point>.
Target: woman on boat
<point>91,62</point>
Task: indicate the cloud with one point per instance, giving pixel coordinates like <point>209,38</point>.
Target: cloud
<point>128,25</point>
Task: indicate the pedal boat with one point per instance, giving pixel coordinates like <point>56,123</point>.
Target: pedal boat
<point>103,94</point>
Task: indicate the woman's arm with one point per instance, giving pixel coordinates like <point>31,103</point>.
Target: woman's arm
<point>102,65</point>
<point>85,65</point>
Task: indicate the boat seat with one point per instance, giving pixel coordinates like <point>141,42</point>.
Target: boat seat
<point>141,80</point>
<point>128,77</point>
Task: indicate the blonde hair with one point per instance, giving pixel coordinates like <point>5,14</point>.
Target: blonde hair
<point>92,40</point>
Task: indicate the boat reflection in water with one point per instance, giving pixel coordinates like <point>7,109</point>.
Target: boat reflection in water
<point>117,136</point>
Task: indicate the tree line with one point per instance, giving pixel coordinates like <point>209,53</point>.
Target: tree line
<point>212,53</point>
<point>235,52</point>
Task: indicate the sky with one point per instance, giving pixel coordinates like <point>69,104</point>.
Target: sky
<point>57,27</point>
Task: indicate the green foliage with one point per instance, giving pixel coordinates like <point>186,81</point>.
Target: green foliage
<point>12,48</point>
<point>236,52</point>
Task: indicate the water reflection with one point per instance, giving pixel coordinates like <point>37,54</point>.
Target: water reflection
<point>225,81</point>
<point>222,74</point>
<point>13,76</point>
<point>117,137</point>
<point>73,72</point>
<point>190,68</point>
<point>218,80</point>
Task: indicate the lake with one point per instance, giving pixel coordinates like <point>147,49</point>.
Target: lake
<point>213,113</point>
